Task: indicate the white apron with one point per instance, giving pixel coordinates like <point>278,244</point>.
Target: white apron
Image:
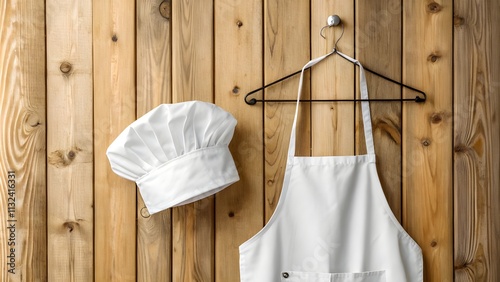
<point>332,222</point>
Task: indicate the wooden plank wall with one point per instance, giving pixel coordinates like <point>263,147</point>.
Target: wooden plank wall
<point>74,74</point>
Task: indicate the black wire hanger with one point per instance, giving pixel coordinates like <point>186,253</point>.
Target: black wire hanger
<point>333,21</point>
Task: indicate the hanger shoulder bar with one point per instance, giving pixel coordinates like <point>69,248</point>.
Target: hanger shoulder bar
<point>254,101</point>
<point>417,99</point>
<point>271,84</point>
<point>397,82</point>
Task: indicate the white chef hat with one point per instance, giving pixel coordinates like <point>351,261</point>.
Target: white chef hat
<point>176,153</point>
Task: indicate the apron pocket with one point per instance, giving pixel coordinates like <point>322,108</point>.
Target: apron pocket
<point>296,276</point>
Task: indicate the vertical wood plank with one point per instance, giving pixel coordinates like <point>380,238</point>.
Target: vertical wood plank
<point>476,139</point>
<point>378,47</point>
<point>69,141</point>
<point>192,79</point>
<point>494,192</point>
<point>114,109</point>
<point>286,50</point>
<point>332,123</point>
<point>427,140</point>
<point>238,70</point>
<point>23,151</point>
<point>154,59</point>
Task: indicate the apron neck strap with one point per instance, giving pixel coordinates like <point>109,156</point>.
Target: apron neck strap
<point>365,106</point>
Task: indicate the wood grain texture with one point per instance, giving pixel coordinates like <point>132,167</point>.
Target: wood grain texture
<point>23,140</point>
<point>114,109</point>
<point>154,64</point>
<point>238,70</point>
<point>378,47</point>
<point>154,54</point>
<point>286,50</point>
<point>427,157</point>
<point>332,128</point>
<point>192,79</point>
<point>69,141</point>
<point>476,139</point>
<point>494,195</point>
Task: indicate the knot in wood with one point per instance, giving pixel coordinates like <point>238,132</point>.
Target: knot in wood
<point>35,124</point>
<point>236,90</point>
<point>436,118</point>
<point>458,21</point>
<point>114,38</point>
<point>71,155</point>
<point>239,23</point>
<point>434,7</point>
<point>433,58</point>
<point>62,158</point>
<point>165,9</point>
<point>461,148</point>
<point>65,67</point>
<point>70,225</point>
<point>230,214</point>
<point>426,142</point>
<point>434,243</point>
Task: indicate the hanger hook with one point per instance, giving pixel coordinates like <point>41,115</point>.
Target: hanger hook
<point>321,32</point>
<point>332,20</point>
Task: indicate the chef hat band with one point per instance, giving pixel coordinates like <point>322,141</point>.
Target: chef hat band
<point>176,153</point>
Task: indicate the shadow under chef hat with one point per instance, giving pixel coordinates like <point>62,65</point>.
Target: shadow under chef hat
<point>176,153</point>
